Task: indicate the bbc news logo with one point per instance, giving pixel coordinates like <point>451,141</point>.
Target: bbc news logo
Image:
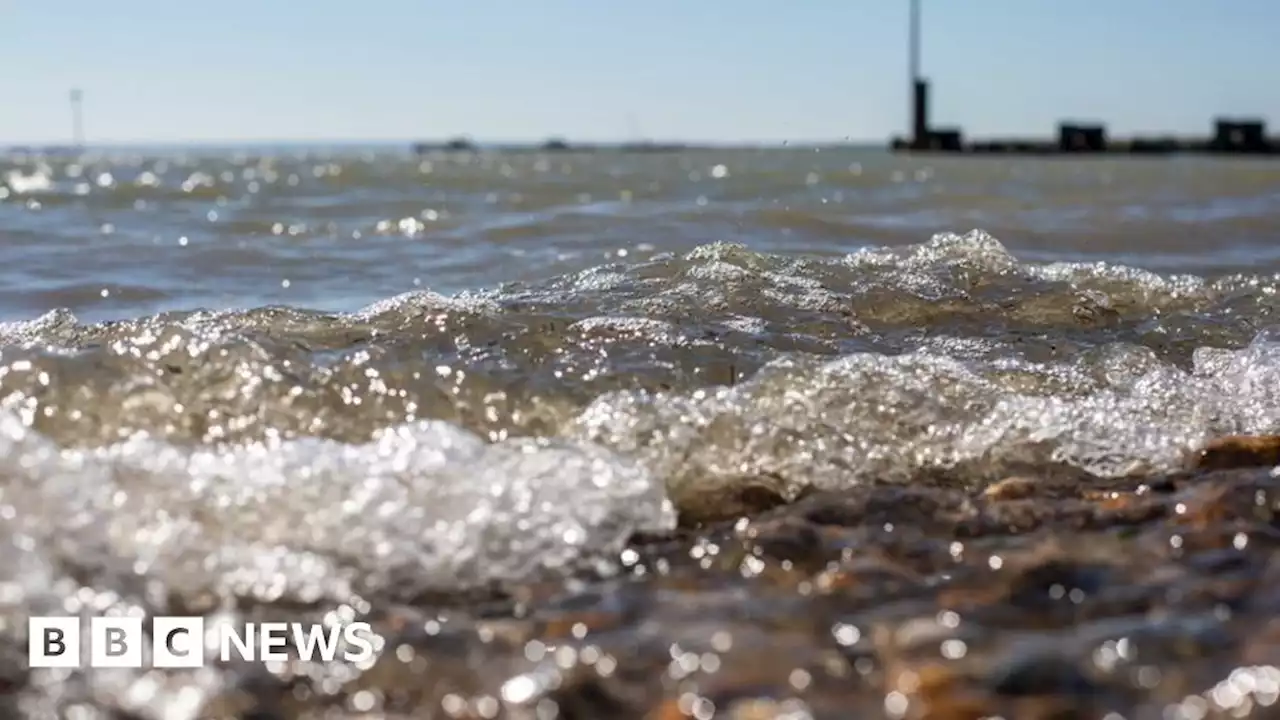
<point>181,642</point>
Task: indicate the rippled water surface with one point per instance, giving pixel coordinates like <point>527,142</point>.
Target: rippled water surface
<point>719,433</point>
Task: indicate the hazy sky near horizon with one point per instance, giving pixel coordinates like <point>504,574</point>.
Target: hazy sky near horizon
<point>166,71</point>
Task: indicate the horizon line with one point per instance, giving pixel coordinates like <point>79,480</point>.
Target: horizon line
<point>410,142</point>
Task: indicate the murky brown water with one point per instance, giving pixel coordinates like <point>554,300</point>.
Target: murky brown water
<point>720,434</point>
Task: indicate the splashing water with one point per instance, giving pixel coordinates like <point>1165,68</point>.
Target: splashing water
<point>214,462</point>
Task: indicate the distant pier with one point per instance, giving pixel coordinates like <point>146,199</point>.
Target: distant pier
<point>1230,136</point>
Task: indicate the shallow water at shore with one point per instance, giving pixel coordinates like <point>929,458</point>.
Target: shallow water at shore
<point>676,450</point>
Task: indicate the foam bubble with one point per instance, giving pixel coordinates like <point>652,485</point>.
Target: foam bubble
<point>805,423</point>
<point>424,506</point>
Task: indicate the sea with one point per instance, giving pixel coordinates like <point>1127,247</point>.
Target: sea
<point>510,404</point>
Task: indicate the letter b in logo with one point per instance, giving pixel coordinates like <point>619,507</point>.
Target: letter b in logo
<point>115,642</point>
<point>53,642</point>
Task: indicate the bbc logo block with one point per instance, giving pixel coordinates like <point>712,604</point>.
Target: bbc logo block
<point>53,642</point>
<point>177,642</point>
<point>181,642</point>
<point>115,642</point>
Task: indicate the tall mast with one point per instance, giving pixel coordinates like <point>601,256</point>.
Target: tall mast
<point>77,118</point>
<point>913,43</point>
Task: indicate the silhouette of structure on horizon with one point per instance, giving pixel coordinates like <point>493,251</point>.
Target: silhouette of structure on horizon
<point>1230,136</point>
<point>77,118</point>
<point>553,145</point>
<point>1234,136</point>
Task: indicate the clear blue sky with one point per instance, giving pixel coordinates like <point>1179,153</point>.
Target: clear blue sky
<point>170,71</point>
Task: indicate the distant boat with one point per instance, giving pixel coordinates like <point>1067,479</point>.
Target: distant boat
<point>454,145</point>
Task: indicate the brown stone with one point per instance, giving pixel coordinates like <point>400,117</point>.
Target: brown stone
<point>1011,488</point>
<point>563,627</point>
<point>1239,451</point>
<point>938,690</point>
<point>758,709</point>
<point>1110,499</point>
<point>747,496</point>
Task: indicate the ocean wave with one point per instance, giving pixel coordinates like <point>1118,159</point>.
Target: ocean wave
<point>217,461</point>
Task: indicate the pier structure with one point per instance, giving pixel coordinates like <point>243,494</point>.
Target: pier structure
<point>924,136</point>
<point>1230,136</point>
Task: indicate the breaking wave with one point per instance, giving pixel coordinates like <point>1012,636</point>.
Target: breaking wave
<point>217,461</point>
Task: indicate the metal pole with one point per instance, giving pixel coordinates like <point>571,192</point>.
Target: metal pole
<point>914,42</point>
<point>77,119</point>
<point>913,72</point>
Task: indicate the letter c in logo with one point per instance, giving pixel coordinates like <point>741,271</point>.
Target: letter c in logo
<point>168,642</point>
